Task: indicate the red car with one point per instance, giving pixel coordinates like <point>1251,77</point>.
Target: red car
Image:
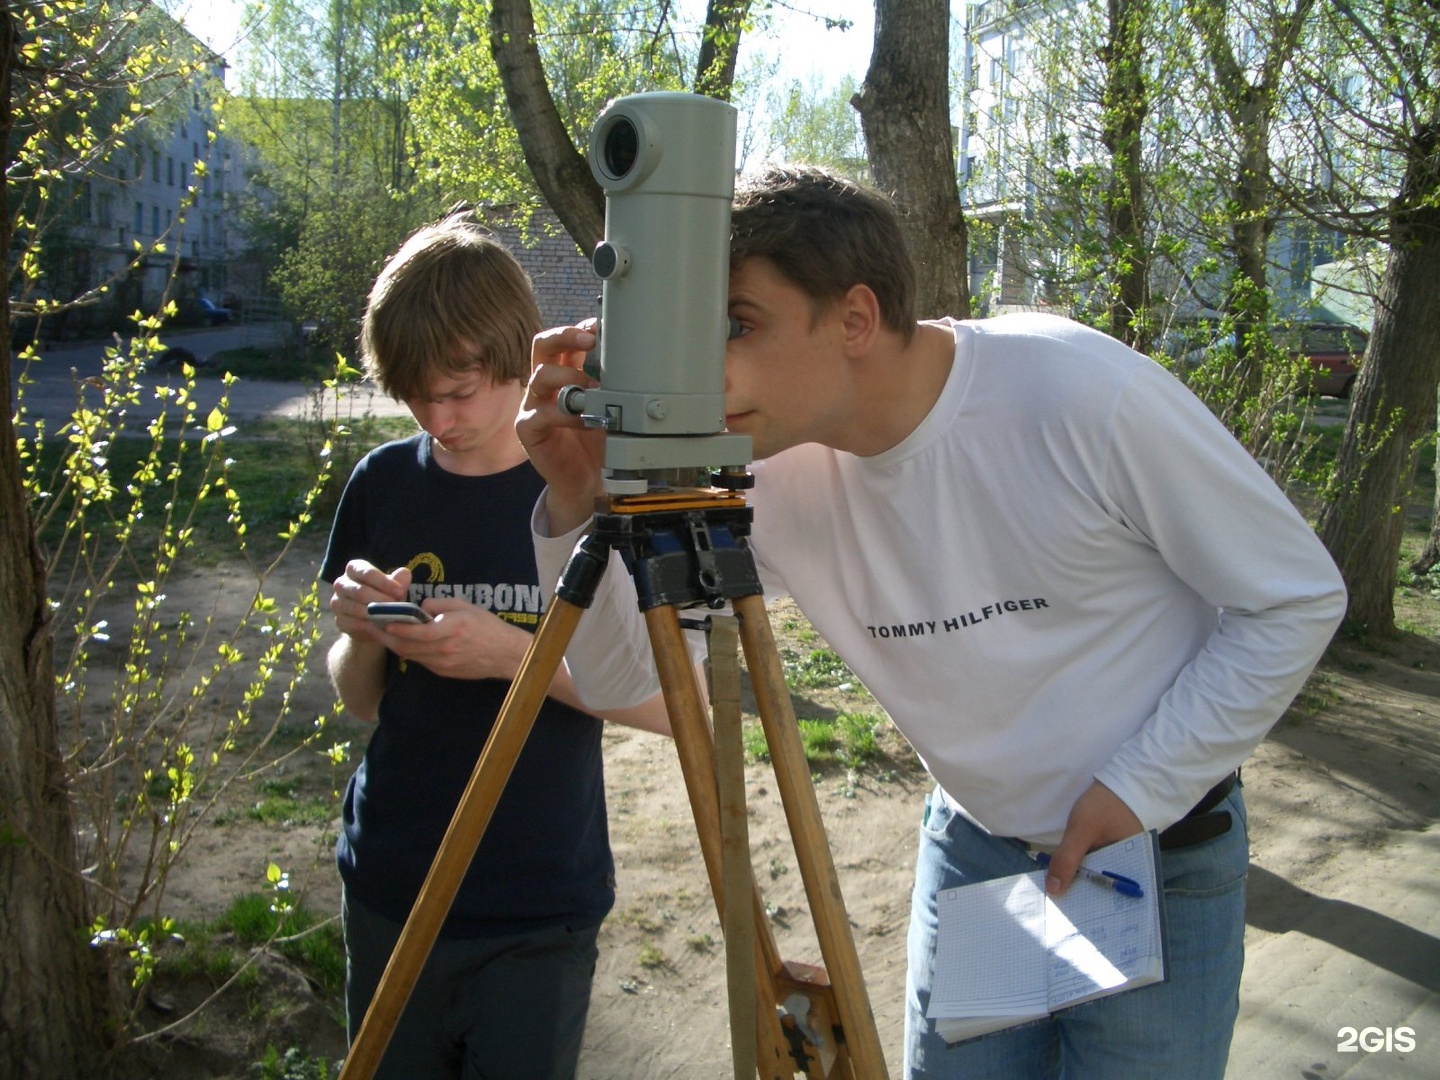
<point>1335,351</point>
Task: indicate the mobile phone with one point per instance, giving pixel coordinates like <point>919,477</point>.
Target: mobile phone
<point>397,611</point>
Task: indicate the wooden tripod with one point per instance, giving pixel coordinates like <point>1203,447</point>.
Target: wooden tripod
<point>683,548</point>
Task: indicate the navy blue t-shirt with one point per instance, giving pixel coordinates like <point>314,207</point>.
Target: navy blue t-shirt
<point>545,857</point>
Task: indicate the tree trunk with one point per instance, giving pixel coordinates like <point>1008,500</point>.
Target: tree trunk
<point>1394,398</point>
<point>719,47</point>
<point>560,170</point>
<point>1249,295</point>
<point>54,1010</point>
<point>1429,558</point>
<point>905,115</point>
<point>1248,98</point>
<point>1126,104</point>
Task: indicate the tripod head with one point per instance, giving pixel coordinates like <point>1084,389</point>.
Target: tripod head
<point>667,164</point>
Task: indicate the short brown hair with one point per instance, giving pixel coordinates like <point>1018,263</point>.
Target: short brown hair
<point>825,233</point>
<point>451,300</point>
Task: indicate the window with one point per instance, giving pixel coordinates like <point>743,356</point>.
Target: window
<point>155,164</point>
<point>155,220</point>
<point>139,218</point>
<point>170,171</point>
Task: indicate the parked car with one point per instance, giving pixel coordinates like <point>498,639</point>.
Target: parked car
<point>198,311</point>
<point>1334,352</point>
<point>214,313</point>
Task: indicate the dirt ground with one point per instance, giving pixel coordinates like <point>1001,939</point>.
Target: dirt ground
<point>1348,777</point>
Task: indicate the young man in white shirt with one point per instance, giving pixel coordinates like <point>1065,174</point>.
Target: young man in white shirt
<point>1073,591</point>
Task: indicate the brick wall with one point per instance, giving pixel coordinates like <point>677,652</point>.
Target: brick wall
<point>565,284</point>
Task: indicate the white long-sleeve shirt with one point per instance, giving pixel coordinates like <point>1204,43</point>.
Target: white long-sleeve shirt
<point>1068,571</point>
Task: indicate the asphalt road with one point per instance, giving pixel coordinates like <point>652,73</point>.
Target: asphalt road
<point>64,368</point>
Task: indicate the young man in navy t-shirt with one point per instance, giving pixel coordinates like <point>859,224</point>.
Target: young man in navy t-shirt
<point>442,519</point>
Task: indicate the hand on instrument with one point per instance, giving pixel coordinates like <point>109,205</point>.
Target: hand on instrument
<point>565,452</point>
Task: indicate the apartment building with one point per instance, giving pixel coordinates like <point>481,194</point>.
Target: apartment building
<point>1030,111</point>
<point>154,220</point>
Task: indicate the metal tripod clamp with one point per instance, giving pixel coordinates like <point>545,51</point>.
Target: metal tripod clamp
<point>684,557</point>
<point>583,572</point>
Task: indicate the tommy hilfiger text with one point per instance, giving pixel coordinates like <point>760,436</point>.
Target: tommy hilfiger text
<point>970,618</point>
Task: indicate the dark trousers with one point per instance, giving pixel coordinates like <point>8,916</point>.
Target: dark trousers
<point>509,1007</point>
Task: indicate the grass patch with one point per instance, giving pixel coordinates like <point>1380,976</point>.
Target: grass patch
<point>287,364</point>
<point>279,804</point>
<point>293,1064</point>
<point>819,739</point>
<point>217,950</point>
<point>268,467</point>
<point>313,944</point>
<point>859,738</point>
<point>752,736</point>
<point>650,958</point>
<point>818,669</point>
<point>851,738</point>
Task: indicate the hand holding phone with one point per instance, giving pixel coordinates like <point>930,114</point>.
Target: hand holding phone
<point>383,613</point>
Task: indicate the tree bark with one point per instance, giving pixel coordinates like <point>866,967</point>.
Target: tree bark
<point>1126,104</point>
<point>55,1007</point>
<point>1429,558</point>
<point>719,47</point>
<point>905,115</point>
<point>1249,100</point>
<point>560,170</point>
<point>1393,400</point>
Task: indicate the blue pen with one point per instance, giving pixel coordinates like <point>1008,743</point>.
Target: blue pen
<point>1104,878</point>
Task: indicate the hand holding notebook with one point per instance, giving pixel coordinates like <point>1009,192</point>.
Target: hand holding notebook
<point>1008,953</point>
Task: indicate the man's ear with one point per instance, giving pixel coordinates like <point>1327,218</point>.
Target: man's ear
<point>860,319</point>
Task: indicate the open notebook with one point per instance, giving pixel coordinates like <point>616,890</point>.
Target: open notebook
<point>1007,953</point>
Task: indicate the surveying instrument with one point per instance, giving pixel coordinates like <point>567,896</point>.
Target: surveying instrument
<point>666,162</point>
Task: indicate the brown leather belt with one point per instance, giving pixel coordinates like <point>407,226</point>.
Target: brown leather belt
<point>1203,822</point>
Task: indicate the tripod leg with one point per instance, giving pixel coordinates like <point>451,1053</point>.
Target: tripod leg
<point>812,848</point>
<point>740,975</point>
<point>696,750</point>
<point>457,849</point>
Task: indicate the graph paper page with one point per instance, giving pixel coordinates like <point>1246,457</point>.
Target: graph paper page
<point>990,959</point>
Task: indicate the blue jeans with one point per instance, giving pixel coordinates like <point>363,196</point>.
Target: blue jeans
<point>1179,1029</point>
<point>510,1007</point>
